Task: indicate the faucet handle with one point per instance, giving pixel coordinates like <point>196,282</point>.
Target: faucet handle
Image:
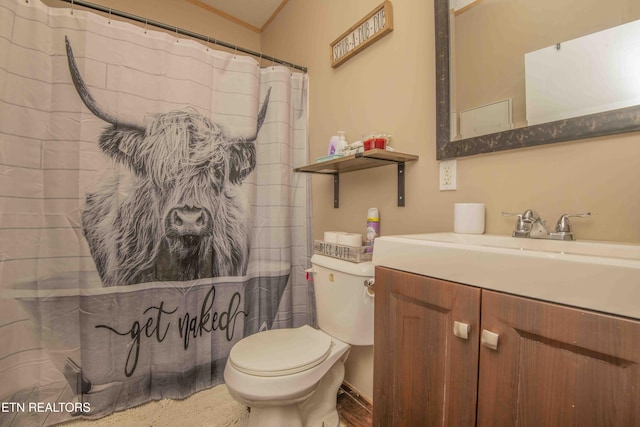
<point>531,216</point>
<point>563,225</point>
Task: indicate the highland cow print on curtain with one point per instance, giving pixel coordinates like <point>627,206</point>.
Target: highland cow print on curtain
<point>150,217</point>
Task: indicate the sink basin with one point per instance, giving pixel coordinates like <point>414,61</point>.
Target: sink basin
<point>602,276</point>
<point>588,248</point>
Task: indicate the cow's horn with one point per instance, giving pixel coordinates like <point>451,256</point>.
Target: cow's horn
<point>86,97</point>
<point>262,115</point>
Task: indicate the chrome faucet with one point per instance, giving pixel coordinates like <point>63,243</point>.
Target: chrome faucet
<point>529,224</point>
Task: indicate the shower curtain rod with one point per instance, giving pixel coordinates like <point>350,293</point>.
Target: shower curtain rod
<point>182,32</point>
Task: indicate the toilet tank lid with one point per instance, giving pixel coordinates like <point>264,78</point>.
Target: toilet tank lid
<point>365,269</point>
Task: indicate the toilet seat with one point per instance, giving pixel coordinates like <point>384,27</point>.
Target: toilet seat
<point>280,352</point>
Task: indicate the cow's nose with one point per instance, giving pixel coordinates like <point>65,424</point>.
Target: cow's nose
<point>188,221</point>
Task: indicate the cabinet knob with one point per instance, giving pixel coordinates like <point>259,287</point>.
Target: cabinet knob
<point>489,339</point>
<point>461,330</point>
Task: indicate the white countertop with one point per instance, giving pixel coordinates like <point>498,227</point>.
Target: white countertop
<point>600,276</point>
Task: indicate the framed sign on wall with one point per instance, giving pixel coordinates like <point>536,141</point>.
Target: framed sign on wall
<point>378,23</point>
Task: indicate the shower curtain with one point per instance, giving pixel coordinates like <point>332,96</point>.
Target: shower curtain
<point>150,217</point>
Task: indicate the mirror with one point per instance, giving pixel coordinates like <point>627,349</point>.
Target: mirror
<point>609,122</point>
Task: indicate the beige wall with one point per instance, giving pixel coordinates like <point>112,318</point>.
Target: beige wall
<point>389,87</point>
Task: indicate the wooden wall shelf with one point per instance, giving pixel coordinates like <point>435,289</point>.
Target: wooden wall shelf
<point>359,161</point>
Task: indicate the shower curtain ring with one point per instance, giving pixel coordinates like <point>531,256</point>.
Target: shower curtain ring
<point>72,7</point>
<point>177,37</point>
<point>109,21</point>
<point>260,60</point>
<point>207,44</point>
<point>235,51</point>
<point>146,21</point>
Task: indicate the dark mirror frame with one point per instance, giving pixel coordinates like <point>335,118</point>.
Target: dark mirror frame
<point>593,125</point>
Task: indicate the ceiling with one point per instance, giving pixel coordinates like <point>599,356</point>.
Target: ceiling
<point>253,14</point>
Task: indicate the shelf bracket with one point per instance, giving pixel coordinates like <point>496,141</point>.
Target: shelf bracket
<point>336,191</point>
<point>401,184</point>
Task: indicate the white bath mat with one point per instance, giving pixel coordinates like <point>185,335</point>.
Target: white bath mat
<point>208,408</point>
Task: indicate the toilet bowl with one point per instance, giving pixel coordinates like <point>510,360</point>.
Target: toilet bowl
<point>291,377</point>
<point>274,394</point>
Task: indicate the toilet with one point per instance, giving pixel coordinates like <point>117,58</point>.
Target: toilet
<point>291,377</point>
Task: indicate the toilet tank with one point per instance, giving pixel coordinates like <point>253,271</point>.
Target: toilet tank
<point>343,307</point>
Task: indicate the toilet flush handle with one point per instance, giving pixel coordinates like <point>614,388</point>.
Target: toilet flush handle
<point>369,284</point>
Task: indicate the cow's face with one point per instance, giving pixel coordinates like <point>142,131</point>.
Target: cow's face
<point>185,164</point>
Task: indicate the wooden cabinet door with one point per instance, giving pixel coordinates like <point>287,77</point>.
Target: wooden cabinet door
<point>424,375</point>
<point>557,366</point>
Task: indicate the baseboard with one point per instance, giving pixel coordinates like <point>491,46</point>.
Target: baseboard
<point>355,395</point>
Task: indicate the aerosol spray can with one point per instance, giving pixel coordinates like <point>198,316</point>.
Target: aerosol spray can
<point>373,228</point>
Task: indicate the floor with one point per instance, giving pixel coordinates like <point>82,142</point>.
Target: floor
<point>354,410</point>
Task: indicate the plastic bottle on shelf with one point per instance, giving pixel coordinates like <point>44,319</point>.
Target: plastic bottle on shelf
<point>337,143</point>
<point>373,228</point>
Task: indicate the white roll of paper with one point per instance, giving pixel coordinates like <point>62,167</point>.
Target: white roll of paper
<point>468,218</point>
<point>350,239</point>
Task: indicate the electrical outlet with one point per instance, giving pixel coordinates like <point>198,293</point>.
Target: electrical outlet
<point>448,175</point>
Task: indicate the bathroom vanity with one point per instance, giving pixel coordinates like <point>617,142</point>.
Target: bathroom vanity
<point>497,331</point>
